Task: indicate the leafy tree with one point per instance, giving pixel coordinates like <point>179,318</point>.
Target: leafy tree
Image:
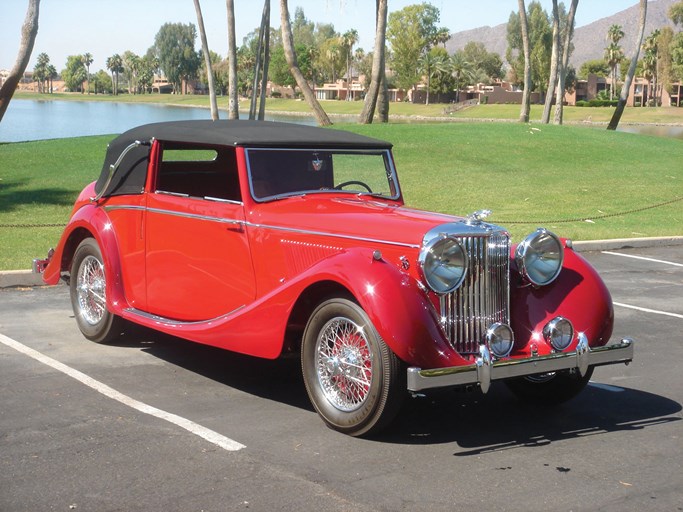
<point>131,68</point>
<point>487,65</point>
<point>650,64</point>
<point>303,30</point>
<point>411,32</point>
<point>102,82</point>
<point>596,67</point>
<point>29,30</point>
<point>174,47</point>
<point>74,73</point>
<point>676,13</point>
<point>290,55</point>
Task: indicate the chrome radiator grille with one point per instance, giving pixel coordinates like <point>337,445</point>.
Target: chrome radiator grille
<point>484,296</point>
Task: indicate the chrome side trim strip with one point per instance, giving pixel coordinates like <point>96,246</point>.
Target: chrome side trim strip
<point>482,372</point>
<point>177,323</point>
<point>261,226</point>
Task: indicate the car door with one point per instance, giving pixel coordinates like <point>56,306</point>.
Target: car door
<point>198,264</point>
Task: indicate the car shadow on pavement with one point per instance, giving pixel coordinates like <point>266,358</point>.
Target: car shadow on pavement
<point>477,423</point>
<point>499,421</point>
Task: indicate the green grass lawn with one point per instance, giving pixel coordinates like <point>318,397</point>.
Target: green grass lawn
<point>528,175</point>
<point>397,110</point>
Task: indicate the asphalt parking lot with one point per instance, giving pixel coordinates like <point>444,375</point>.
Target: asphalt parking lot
<point>156,423</point>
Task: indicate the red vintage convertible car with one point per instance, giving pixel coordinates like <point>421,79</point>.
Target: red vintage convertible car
<point>270,238</point>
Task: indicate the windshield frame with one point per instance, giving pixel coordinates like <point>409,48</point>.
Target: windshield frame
<point>390,169</point>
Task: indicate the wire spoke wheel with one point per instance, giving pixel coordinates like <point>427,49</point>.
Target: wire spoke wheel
<point>90,286</point>
<point>89,295</point>
<point>344,364</point>
<point>354,380</point>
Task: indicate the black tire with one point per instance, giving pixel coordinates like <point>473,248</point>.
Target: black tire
<point>354,380</point>
<point>88,295</point>
<point>549,389</point>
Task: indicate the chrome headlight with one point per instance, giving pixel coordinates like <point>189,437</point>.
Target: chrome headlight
<point>443,264</point>
<point>539,257</point>
<point>559,333</point>
<point>500,339</point>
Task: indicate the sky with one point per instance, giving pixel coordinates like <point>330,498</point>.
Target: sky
<point>104,27</point>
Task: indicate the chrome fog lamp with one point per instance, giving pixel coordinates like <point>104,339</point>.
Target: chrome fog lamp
<point>539,257</point>
<point>559,333</point>
<point>443,264</point>
<point>499,339</point>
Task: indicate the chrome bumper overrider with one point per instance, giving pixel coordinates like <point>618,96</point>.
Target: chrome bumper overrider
<point>485,370</point>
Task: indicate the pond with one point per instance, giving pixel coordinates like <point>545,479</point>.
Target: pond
<point>52,119</point>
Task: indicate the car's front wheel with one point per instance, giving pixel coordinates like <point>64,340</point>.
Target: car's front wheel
<point>352,377</point>
<point>89,295</point>
<point>549,388</point>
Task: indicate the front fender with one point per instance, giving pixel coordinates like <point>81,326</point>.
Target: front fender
<point>399,309</point>
<point>90,221</point>
<point>578,294</point>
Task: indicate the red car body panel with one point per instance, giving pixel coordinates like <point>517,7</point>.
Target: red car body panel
<point>230,274</point>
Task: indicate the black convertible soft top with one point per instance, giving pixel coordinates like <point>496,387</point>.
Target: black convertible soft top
<point>132,172</point>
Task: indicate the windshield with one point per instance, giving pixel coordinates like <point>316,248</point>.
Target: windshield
<point>275,173</point>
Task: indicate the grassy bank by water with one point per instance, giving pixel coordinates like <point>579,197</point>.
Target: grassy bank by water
<point>398,111</point>
<point>582,183</point>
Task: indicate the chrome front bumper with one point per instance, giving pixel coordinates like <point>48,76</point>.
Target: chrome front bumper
<point>485,370</point>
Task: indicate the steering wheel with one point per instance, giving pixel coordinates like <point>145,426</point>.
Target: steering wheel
<point>353,182</point>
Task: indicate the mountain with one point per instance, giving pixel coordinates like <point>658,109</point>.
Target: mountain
<point>589,40</point>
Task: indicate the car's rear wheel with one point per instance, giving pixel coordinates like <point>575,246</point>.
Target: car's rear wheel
<point>89,295</point>
<point>353,378</point>
<point>549,388</point>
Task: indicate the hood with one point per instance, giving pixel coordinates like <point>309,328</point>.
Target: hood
<point>359,217</point>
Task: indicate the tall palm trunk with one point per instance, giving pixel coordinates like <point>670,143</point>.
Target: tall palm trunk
<point>368,111</point>
<point>29,30</point>
<point>233,102</point>
<point>262,57</point>
<point>554,58</point>
<point>526,94</point>
<point>562,74</point>
<point>207,61</point>
<point>266,61</point>
<point>290,55</point>
<point>623,97</point>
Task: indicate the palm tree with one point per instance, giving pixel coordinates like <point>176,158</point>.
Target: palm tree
<point>462,72</point>
<point>290,55</point>
<point>115,65</point>
<point>562,73</point>
<point>614,54</point>
<point>378,71</point>
<point>29,30</point>
<point>86,58</point>
<point>51,75</point>
<point>207,61</point>
<point>616,117</point>
<point>432,66</point>
<point>349,39</point>
<point>526,94</point>
<point>650,63</point>
<point>40,71</point>
<point>554,63</point>
<point>233,101</point>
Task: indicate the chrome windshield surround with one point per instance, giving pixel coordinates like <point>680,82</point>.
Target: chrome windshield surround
<point>392,176</point>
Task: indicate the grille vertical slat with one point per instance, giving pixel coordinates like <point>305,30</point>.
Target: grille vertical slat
<point>483,298</point>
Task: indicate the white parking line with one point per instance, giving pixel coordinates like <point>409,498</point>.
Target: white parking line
<point>192,427</point>
<point>642,258</point>
<point>646,310</point>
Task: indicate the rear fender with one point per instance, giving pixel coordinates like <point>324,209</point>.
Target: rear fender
<point>90,221</point>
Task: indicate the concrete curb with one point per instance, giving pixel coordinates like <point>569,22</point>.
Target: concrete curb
<point>26,278</point>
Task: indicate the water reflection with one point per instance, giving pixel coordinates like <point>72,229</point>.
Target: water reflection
<point>50,119</point>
